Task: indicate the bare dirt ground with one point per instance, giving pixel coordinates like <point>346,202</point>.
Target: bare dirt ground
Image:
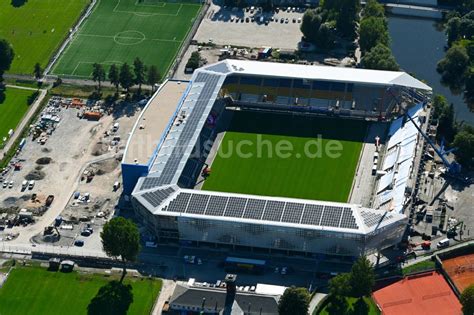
<point>58,168</point>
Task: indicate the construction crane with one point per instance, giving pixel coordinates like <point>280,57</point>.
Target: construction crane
<point>452,167</point>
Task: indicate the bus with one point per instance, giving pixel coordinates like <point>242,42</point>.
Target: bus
<point>233,264</point>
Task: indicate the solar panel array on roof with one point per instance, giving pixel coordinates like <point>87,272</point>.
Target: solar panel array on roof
<point>197,204</point>
<point>155,198</point>
<point>220,67</point>
<point>331,216</point>
<point>235,207</point>
<point>254,209</point>
<point>273,210</point>
<point>216,205</point>
<point>262,209</point>
<point>371,219</point>
<point>180,203</point>
<point>312,214</point>
<point>188,131</point>
<point>293,212</point>
<point>348,221</point>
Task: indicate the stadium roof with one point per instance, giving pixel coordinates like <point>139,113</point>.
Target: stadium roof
<point>158,191</point>
<point>280,211</point>
<point>325,73</point>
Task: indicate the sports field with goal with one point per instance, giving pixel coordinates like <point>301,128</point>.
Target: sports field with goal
<point>286,155</point>
<point>118,31</point>
<point>36,28</point>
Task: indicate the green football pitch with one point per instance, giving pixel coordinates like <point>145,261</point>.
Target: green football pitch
<point>12,109</point>
<point>34,290</point>
<point>118,31</point>
<point>288,156</point>
<point>36,29</point>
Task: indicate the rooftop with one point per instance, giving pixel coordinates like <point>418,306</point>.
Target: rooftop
<point>279,211</point>
<point>152,122</point>
<point>185,296</point>
<point>325,73</point>
<point>427,293</point>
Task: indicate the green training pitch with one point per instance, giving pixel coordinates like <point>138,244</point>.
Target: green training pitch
<point>299,172</point>
<point>118,31</point>
<point>34,290</point>
<point>12,109</point>
<point>36,29</point>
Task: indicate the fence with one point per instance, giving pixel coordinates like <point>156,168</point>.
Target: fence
<point>187,40</point>
<point>68,40</point>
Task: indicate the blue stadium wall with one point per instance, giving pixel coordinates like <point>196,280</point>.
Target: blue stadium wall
<point>130,175</point>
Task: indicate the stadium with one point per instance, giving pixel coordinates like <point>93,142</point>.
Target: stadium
<point>278,157</point>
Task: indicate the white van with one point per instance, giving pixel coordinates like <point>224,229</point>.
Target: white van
<point>443,243</point>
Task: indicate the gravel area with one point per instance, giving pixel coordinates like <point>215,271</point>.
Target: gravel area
<point>220,27</point>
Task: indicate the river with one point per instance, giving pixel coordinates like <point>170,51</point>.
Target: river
<point>418,45</point>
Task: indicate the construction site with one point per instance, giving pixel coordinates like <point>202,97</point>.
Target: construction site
<point>63,183</point>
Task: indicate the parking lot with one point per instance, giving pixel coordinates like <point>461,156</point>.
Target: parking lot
<point>251,28</point>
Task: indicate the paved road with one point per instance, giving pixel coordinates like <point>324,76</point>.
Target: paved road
<point>25,119</point>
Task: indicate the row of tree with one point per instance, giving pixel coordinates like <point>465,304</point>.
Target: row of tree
<point>317,29</point>
<point>459,136</point>
<point>126,76</point>
<point>332,18</point>
<point>457,67</point>
<point>374,39</point>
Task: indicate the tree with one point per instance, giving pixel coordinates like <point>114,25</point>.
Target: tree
<point>464,142</point>
<point>140,70</point>
<point>454,67</point>
<point>453,29</point>
<point>325,36</point>
<point>194,61</point>
<point>153,76</point>
<point>467,300</point>
<point>380,58</point>
<point>114,77</point>
<point>340,285</point>
<point>6,58</point>
<point>347,17</point>
<point>37,71</point>
<point>98,74</point>
<point>362,278</point>
<point>120,238</point>
<point>373,9</point>
<point>310,25</point>
<point>372,31</point>
<point>294,301</point>
<point>126,77</point>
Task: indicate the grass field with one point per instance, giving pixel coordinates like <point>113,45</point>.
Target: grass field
<point>118,31</point>
<point>35,290</point>
<point>295,174</point>
<point>12,109</point>
<point>36,29</point>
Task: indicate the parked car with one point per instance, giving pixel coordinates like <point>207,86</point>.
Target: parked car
<point>31,184</point>
<point>10,184</point>
<point>79,243</point>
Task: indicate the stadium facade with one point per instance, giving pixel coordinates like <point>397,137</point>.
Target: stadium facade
<point>159,174</point>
